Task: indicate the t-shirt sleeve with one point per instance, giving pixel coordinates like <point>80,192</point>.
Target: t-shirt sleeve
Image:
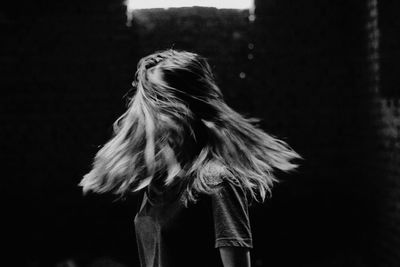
<point>231,217</point>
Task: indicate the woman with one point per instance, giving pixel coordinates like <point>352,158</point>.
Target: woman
<point>198,163</point>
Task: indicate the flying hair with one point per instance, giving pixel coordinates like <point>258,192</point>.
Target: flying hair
<point>178,128</point>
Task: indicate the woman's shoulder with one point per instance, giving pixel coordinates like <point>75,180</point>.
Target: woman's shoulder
<point>228,187</point>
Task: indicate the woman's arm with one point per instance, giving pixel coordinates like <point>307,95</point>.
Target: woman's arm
<point>235,256</point>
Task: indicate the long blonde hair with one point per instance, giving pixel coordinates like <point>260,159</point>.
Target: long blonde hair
<point>177,124</point>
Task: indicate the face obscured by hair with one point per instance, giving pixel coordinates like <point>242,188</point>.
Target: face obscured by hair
<point>180,77</point>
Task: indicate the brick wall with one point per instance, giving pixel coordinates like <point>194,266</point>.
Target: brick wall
<point>388,233</point>
<point>383,57</point>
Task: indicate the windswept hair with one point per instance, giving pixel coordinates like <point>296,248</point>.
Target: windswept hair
<point>178,128</point>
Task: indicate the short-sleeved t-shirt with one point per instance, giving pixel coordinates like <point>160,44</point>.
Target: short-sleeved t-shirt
<point>169,234</point>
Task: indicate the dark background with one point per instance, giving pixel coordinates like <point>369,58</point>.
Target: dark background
<point>322,75</point>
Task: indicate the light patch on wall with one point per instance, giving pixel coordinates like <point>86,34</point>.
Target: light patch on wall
<point>148,4</point>
<point>133,7</point>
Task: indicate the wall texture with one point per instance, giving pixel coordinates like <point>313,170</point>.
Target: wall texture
<point>383,56</point>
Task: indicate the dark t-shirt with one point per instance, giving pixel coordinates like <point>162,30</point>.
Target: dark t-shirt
<point>172,235</point>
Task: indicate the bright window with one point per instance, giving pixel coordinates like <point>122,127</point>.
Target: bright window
<point>231,4</point>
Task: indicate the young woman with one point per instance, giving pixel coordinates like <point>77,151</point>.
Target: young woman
<point>198,163</point>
